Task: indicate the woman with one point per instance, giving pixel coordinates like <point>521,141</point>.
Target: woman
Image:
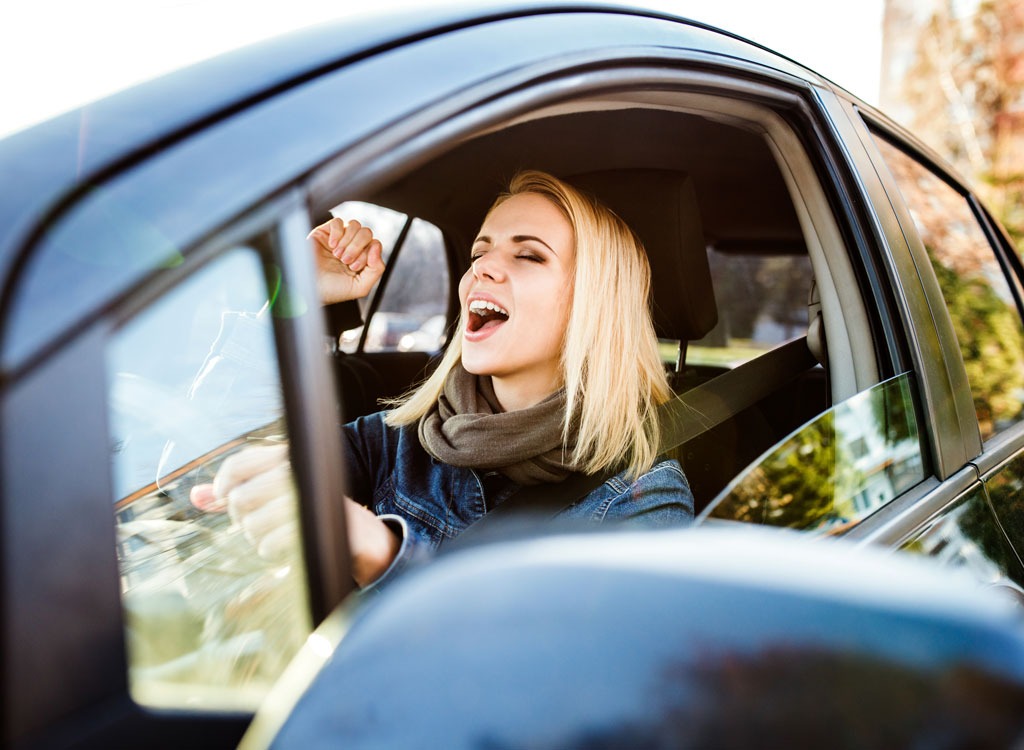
<point>555,369</point>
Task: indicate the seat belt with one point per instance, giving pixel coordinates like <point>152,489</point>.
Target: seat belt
<point>687,416</point>
<point>704,407</point>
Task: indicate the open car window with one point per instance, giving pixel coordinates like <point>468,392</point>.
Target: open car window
<point>211,619</point>
<point>762,302</point>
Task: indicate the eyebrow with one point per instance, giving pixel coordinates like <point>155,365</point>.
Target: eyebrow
<point>518,238</point>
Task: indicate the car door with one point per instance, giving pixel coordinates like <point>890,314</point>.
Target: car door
<point>978,274</point>
<point>133,613</point>
<point>959,318</point>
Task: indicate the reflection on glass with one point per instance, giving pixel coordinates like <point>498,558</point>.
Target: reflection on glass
<point>968,537</point>
<point>835,470</point>
<point>981,304</point>
<point>1006,491</point>
<point>212,616</point>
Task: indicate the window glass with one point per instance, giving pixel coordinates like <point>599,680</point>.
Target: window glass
<point>387,227</point>
<point>762,302</point>
<point>981,304</point>
<point>411,314</point>
<point>413,310</point>
<point>211,618</point>
<point>1005,492</point>
<point>967,536</point>
<point>837,469</point>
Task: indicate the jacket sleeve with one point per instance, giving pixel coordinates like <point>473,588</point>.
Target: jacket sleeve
<point>364,447</point>
<point>661,497</point>
<point>411,551</point>
<point>367,443</point>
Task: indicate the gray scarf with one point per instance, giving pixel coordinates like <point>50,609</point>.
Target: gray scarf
<point>468,428</point>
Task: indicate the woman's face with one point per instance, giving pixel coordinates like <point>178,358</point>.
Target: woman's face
<point>516,298</point>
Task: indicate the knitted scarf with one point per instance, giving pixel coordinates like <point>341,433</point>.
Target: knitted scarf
<point>468,428</point>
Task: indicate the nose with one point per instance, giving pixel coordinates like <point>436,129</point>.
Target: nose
<point>488,266</point>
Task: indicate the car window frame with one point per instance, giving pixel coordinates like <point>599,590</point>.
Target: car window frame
<point>164,290</point>
<point>303,369</point>
<point>371,165</point>
<point>987,225</point>
<point>802,140</point>
<point>954,432</point>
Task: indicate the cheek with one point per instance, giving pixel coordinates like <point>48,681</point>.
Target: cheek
<point>553,320</point>
<point>564,309</point>
<point>464,287</point>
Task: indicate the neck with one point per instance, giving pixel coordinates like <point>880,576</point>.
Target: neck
<point>515,394</point>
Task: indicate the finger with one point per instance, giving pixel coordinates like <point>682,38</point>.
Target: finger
<point>375,257</point>
<point>371,266</point>
<point>241,466</point>
<point>340,233</point>
<point>280,542</point>
<point>258,491</point>
<point>357,265</point>
<point>202,497</point>
<point>357,245</point>
<point>343,237</point>
<point>265,519</point>
<point>322,233</point>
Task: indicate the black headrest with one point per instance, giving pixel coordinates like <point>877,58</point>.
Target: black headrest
<point>661,207</point>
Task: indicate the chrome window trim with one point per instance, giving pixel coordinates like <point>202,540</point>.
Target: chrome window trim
<point>1000,450</point>
<point>897,521</point>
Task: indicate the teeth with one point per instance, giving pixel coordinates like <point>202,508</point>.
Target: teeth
<point>478,305</point>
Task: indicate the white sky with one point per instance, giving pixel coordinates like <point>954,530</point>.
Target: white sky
<point>58,54</point>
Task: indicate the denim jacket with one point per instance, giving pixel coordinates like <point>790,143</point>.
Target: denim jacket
<point>428,502</point>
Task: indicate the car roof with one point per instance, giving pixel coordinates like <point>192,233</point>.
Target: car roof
<point>46,165</point>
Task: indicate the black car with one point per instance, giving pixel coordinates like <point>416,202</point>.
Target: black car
<point>839,314</point>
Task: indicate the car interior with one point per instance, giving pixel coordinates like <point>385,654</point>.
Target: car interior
<point>735,224</point>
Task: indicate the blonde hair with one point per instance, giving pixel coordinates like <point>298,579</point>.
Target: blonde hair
<point>611,405</point>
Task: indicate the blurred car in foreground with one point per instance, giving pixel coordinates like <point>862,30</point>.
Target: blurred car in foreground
<point>723,638</point>
<point>839,314</point>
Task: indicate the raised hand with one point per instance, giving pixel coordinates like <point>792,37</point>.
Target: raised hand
<point>348,259</point>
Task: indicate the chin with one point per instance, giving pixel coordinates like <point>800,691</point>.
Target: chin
<point>475,365</point>
<point>479,360</point>
<point>476,368</point>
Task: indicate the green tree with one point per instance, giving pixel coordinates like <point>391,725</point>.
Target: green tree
<point>989,332</point>
<point>799,484</point>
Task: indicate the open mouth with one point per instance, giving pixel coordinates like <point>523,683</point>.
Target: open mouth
<point>484,314</point>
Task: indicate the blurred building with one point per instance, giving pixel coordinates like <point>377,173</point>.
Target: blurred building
<point>902,22</point>
<point>952,71</point>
